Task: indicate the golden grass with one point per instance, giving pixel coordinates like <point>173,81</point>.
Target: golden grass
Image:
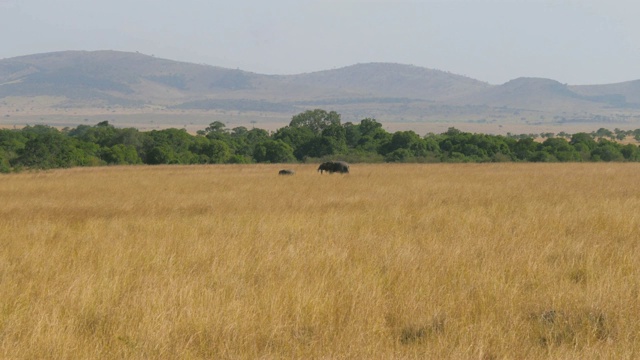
<point>467,261</point>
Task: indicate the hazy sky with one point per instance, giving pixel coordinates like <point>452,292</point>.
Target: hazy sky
<point>572,41</point>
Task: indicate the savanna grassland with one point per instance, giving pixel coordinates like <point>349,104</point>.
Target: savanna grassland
<point>445,261</point>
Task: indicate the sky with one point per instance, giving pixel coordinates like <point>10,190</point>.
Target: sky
<point>577,42</point>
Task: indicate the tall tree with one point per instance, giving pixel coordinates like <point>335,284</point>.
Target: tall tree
<point>273,151</point>
<point>316,120</point>
<point>48,151</point>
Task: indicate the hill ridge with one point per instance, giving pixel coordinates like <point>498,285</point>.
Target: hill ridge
<point>105,78</point>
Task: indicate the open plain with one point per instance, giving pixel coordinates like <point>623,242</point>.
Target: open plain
<point>440,261</point>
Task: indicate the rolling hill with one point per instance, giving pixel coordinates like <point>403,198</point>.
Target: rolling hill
<point>84,82</point>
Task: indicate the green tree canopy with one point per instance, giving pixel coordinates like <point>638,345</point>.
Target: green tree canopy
<point>315,120</point>
<point>49,150</point>
<point>313,135</point>
<point>274,151</point>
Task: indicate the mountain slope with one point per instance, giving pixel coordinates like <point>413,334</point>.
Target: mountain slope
<point>626,93</point>
<point>129,78</point>
<point>111,75</point>
<point>394,80</point>
<point>100,79</point>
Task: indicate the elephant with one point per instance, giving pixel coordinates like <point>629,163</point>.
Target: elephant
<point>286,172</point>
<point>334,166</point>
<point>325,166</point>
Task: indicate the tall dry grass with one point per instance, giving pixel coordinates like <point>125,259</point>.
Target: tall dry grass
<point>480,261</point>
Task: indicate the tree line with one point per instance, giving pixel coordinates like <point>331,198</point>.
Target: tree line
<point>311,136</point>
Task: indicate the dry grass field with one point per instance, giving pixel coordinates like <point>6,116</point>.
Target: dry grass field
<point>465,261</point>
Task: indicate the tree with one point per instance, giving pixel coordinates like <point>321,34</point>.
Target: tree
<point>11,142</point>
<point>239,131</point>
<point>215,127</point>
<point>315,120</point>
<point>473,151</point>
<point>120,154</point>
<point>102,133</point>
<point>630,152</point>
<point>169,146</point>
<point>49,150</point>
<point>317,147</point>
<point>129,137</point>
<point>273,151</point>
<point>406,140</point>
<point>584,139</point>
<point>525,148</point>
<point>372,135</point>
<point>564,134</point>
<point>5,167</point>
<point>243,142</point>
<point>297,138</point>
<point>162,154</point>
<point>453,132</point>
<point>542,156</point>
<point>217,152</point>
<point>313,134</point>
<point>399,155</point>
<point>561,149</point>
<point>604,133</point>
<point>620,134</point>
<point>335,138</point>
<point>583,144</point>
<point>607,151</point>
<point>352,134</point>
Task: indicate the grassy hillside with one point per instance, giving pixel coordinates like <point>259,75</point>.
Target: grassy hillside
<point>95,83</point>
<point>392,261</point>
<point>627,93</point>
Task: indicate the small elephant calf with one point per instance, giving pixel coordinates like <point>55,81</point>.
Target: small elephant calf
<point>286,172</point>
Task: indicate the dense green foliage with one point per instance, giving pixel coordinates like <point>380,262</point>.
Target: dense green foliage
<point>314,135</point>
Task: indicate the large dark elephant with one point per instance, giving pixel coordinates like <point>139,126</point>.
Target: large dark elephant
<point>334,166</point>
<point>341,167</point>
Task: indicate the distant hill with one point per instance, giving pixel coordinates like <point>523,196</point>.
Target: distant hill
<point>623,94</point>
<point>387,80</point>
<point>80,80</point>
